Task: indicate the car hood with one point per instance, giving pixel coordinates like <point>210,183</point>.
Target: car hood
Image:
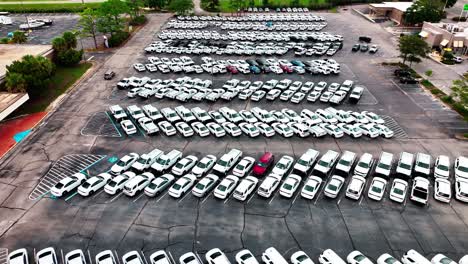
<point>461,174</point>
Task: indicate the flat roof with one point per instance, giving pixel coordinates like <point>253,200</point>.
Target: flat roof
<point>9,102</point>
<point>402,6</point>
<point>12,52</point>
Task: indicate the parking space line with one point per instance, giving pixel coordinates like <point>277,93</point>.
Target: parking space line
<point>272,198</point>
<point>296,197</point>
<point>3,255</point>
<point>138,197</point>
<point>117,256</point>
<point>183,198</point>
<point>90,259</point>
<point>71,196</point>
<point>115,197</point>
<point>63,258</point>
<point>206,198</point>
<point>144,257</point>
<point>199,258</point>
<point>172,259</point>
<point>251,196</point>
<point>95,195</point>
<point>160,198</point>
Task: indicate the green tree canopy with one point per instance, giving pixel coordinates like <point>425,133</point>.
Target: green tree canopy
<point>110,16</point>
<point>412,48</point>
<point>425,10</point>
<point>450,3</point>
<point>70,39</point>
<point>181,7</point>
<point>88,22</point>
<point>19,37</point>
<point>134,7</point>
<point>460,91</point>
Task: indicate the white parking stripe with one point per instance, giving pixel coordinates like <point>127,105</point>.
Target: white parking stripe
<point>183,197</point>
<point>90,259</point>
<point>160,198</point>
<point>3,255</point>
<point>144,258</point>
<point>138,197</point>
<point>117,256</point>
<point>172,259</point>
<point>206,198</point>
<point>115,197</point>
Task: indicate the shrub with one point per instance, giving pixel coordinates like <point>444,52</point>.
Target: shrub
<point>460,108</point>
<point>118,38</point>
<point>69,57</point>
<point>4,40</point>
<point>436,91</point>
<point>447,99</point>
<point>19,37</point>
<point>428,73</point>
<point>137,21</point>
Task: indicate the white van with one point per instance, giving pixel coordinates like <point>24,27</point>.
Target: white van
<point>117,112</point>
<point>165,161</point>
<point>272,256</point>
<point>345,163</point>
<point>326,116</point>
<point>325,164</point>
<point>384,165</point>
<point>422,167</point>
<point>138,183</point>
<point>330,257</point>
<point>305,162</point>
<point>413,257</point>
<point>227,161</point>
<point>152,112</point>
<point>146,160</point>
<point>405,165</point>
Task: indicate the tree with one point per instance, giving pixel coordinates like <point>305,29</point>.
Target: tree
<point>88,22</point>
<point>110,16</point>
<point>156,4</point>
<point>31,73</point>
<point>64,47</point>
<point>69,57</point>
<point>425,10</point>
<point>70,39</point>
<point>450,3</point>
<point>181,7</point>
<point>134,8</point>
<point>460,91</point>
<point>59,44</point>
<point>19,37</point>
<point>412,48</point>
<point>448,58</point>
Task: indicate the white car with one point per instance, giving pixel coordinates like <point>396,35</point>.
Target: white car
<point>19,256</point>
<point>442,259</point>
<point>105,257</point>
<point>377,188</point>
<point>217,117</point>
<point>384,131</point>
<point>290,185</point>
<point>332,130</point>
<point>159,257</point>
<point>148,125</point>
<point>204,165</point>
<point>189,258</point>
<point>372,117</point>
<point>273,94</point>
<point>139,67</point>
<point>132,257</point>
<point>359,117</point>
<point>357,257</point>
<point>325,97</point>
<point>269,185</point>
<point>182,185</point>
<point>333,187</point>
<point>124,163</point>
<point>461,167</point>
<point>291,115</point>
<point>313,96</point>
<point>387,258</point>
<point>350,129</point>
<point>184,129</point>
<point>355,187</point>
<point>265,129</point>
<point>248,116</point>
<point>300,129</point>
<point>75,257</point>
<point>461,189</point>
<point>200,129</point>
<point>442,167</point>
<point>249,129</point>
<point>184,165</point>
<point>280,117</point>
<point>442,190</point>
<point>67,184</point>
<point>282,167</point>
<point>159,184</point>
<point>216,256</point>
<point>398,190</point>
<point>246,257</point>
<point>128,127</point>
<point>245,188</point>
<point>243,167</point>
<point>118,182</point>
<point>46,256</point>
<point>93,184</point>
<point>205,185</point>
<point>369,130</point>
<point>167,128</point>
<point>216,129</point>
<point>311,187</point>
<point>257,95</point>
<point>225,188</point>
<point>282,129</point>
<point>232,129</point>
<point>300,257</point>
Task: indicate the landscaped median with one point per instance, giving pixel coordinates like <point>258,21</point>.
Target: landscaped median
<point>31,7</point>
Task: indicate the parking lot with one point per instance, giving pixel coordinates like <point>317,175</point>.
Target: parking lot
<point>79,136</point>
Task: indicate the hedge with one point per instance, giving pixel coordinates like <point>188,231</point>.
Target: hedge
<point>47,8</point>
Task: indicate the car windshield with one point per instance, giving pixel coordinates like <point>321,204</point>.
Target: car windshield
<point>464,169</point>
<point>215,255</point>
<point>132,257</point>
<point>442,167</point>
<point>383,166</point>
<point>201,165</point>
<point>359,258</point>
<point>176,186</point>
<point>189,259</point>
<point>86,185</point>
<point>159,257</point>
<point>200,186</point>
<point>261,164</point>
<point>59,185</point>
<point>376,189</point>
<point>121,163</point>
<point>152,186</point>
<point>74,256</point>
<point>363,165</point>
<point>142,160</point>
<point>113,183</point>
<point>309,188</point>
<point>405,166</point>
<point>222,188</point>
<point>287,186</point>
<point>446,261</point>
<point>343,162</point>
<point>240,167</point>
<point>302,258</point>
<point>281,166</point>
<point>398,191</point>
<point>423,165</point>
<point>323,163</point>
<point>302,162</point>
<point>162,161</point>
<point>332,187</point>
<point>103,257</point>
<point>391,260</point>
<point>222,163</point>
<point>246,256</point>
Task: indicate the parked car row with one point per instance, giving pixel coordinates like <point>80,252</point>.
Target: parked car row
<point>174,23</point>
<point>281,36</point>
<point>280,66</point>
<point>278,9</point>
<point>365,47</point>
<point>258,17</point>
<point>280,26</point>
<point>238,176</point>
<point>227,121</point>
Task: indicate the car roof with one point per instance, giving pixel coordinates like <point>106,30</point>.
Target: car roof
<point>266,157</point>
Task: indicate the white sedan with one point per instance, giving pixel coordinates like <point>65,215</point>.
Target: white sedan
<point>225,188</point>
<point>158,185</point>
<point>189,258</point>
<point>200,129</point>
<point>182,185</point>
<point>377,188</point>
<point>351,130</point>
<point>442,190</point>
<point>332,130</point>
<point>184,129</point>
<point>243,167</point>
<point>297,97</point>
<point>232,129</point>
<point>387,258</point>
<point>334,186</point>
<point>246,257</point>
<point>374,118</point>
<point>204,165</point>
<point>75,257</point>
<point>360,118</point>
<point>313,96</point>
<point>311,187</point>
<point>68,184</point>
<point>249,129</point>
<point>139,67</point>
<point>290,185</point>
<point>205,185</point>
<point>282,129</point>
<point>184,165</point>
<point>442,259</point>
<point>384,130</point>
<point>291,115</point>
<point>216,129</point>
<point>257,95</point>
<point>93,184</point>
<point>265,129</point>
<point>124,163</point>
<point>118,182</point>
<point>128,127</point>
<point>369,130</point>
<point>148,125</point>
<point>398,190</point>
<point>357,257</point>
<point>283,165</point>
<point>167,128</point>
<point>355,187</point>
<point>248,116</point>
<point>159,257</point>
<point>300,257</point>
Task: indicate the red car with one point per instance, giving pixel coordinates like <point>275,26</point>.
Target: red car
<point>286,68</point>
<point>263,164</point>
<point>232,69</point>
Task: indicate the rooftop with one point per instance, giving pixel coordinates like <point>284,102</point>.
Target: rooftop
<point>402,6</point>
<point>10,102</point>
<point>10,53</point>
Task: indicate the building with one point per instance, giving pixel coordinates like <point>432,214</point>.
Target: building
<point>8,53</point>
<point>446,35</point>
<point>394,11</point>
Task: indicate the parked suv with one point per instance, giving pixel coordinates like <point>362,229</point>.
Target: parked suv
<point>264,163</point>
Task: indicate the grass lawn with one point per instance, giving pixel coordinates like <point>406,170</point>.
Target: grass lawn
<point>60,82</point>
<point>224,5</point>
<point>32,7</point>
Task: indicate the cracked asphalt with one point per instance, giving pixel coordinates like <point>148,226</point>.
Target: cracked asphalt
<point>140,223</point>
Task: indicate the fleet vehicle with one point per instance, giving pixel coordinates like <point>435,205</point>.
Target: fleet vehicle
<point>93,184</point>
<point>205,185</point>
<point>245,188</point>
<point>329,256</point>
<point>19,256</point>
<point>422,166</point>
<point>246,257</point>
<point>300,257</point>
<point>227,161</point>
<point>68,184</point>
<point>345,163</point>
<point>216,256</point>
<point>225,188</point>
<point>132,257</point>
<point>182,185</point>
<point>384,165</point>
<point>414,257</point>
<point>184,165</point>
<point>75,257</point>
<point>355,187</point>
<point>333,187</point>
<point>105,257</point>
<point>290,185</point>
<point>46,256</point>
<point>304,164</point>
<point>398,190</point>
<point>283,165</point>
<point>204,165</point>
<point>442,190</point>
<point>364,165</point>
<point>356,257</point>
<point>145,161</point>
<point>118,182</point>
<point>268,185</point>
<point>243,167</point>
<point>189,258</point>
<point>377,188</point>
<point>159,184</point>
<point>404,167</point>
<point>165,161</point>
<point>137,183</point>
<point>442,167</point>
<point>311,187</point>
<point>325,164</point>
<point>420,190</point>
<point>263,165</point>
<point>272,256</point>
